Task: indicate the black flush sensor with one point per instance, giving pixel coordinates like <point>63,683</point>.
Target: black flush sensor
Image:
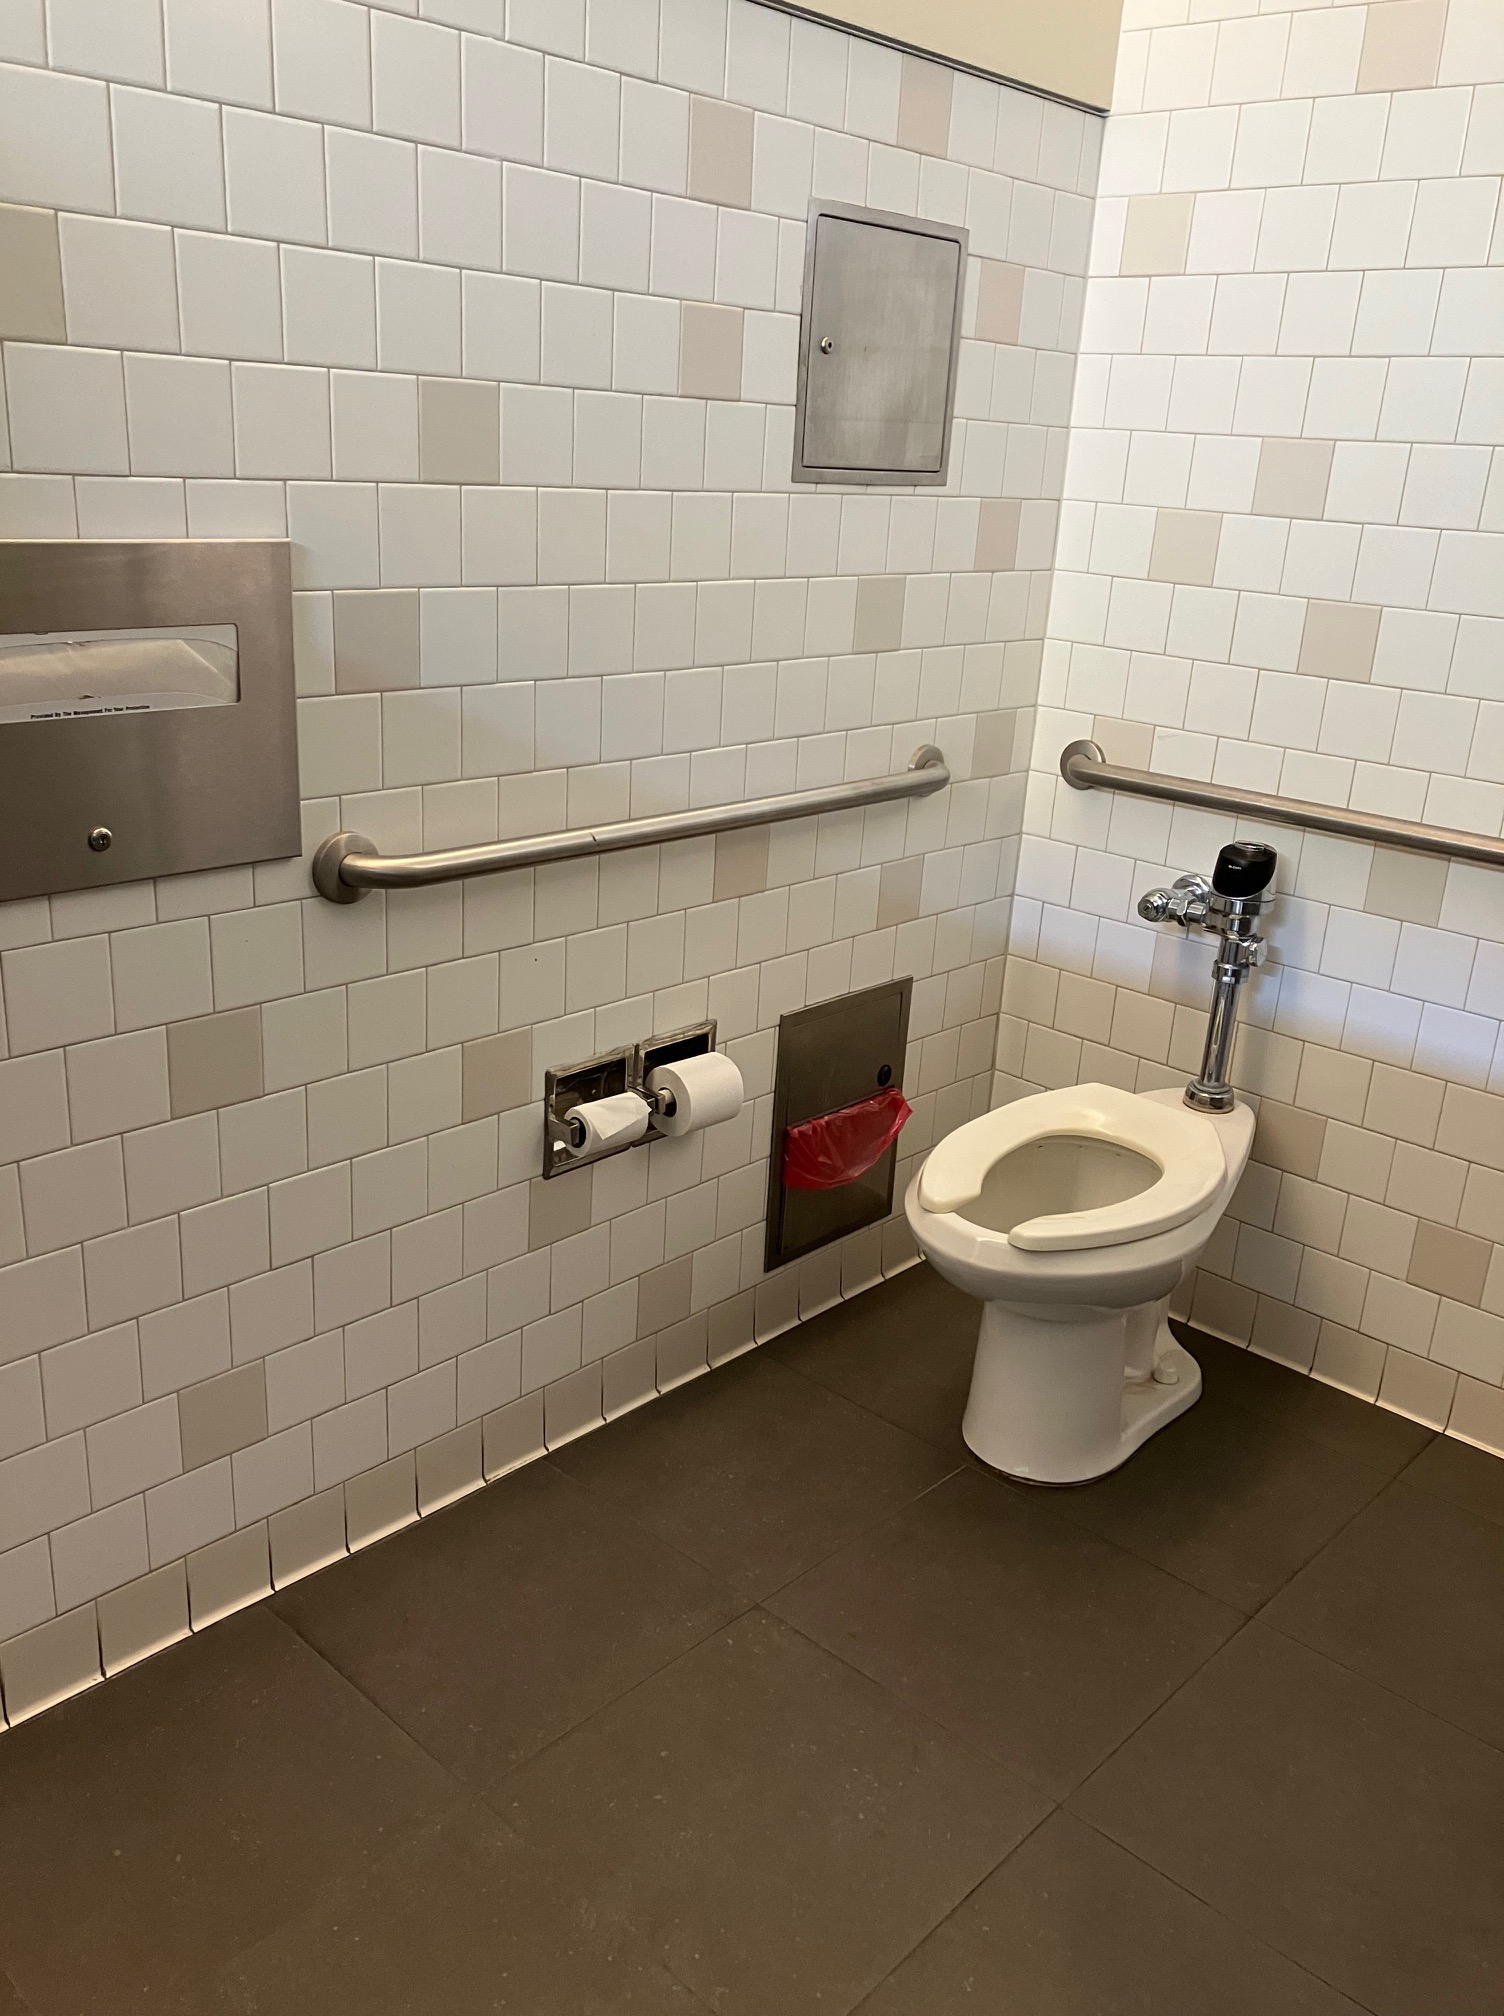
<point>1244,868</point>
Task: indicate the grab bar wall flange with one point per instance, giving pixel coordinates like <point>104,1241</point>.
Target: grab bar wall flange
<point>347,865</point>
<point>1085,768</point>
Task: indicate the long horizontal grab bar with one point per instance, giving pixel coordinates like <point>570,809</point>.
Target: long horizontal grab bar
<point>1083,766</point>
<point>346,865</point>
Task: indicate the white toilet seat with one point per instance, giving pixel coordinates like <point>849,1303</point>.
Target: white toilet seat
<point>1184,1146</point>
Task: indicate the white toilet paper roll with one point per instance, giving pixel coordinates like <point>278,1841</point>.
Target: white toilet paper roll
<point>704,1089</point>
<point>601,1124</point>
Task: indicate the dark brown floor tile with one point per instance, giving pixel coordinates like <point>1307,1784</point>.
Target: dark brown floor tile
<point>1412,1594</point>
<point>1227,1499</point>
<point>1356,1834</point>
<point>1071,1925</point>
<point>10,2000</point>
<point>904,1350</point>
<point>780,1829</point>
<point>1470,1477</point>
<point>753,1471</point>
<point>152,1828</point>
<point>1036,1641</point>
<point>1333,1420</point>
<point>461,1921</point>
<point>491,1628</point>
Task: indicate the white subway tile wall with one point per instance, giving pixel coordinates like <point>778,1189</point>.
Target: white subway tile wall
<point>493,311</point>
<point>1281,565</point>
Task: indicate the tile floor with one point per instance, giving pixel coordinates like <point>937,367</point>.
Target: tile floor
<point>766,1700</point>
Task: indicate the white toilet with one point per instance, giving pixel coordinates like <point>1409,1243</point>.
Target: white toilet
<point>1072,1216</point>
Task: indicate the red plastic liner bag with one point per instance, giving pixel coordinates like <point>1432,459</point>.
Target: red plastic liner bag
<point>838,1147</point>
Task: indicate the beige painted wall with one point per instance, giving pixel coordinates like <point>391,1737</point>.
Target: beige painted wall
<point>1066,46</point>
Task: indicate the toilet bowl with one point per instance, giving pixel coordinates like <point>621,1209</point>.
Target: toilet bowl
<point>1072,1216</point>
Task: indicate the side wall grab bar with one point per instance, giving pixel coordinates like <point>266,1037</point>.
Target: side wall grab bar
<point>346,865</point>
<point>1085,768</point>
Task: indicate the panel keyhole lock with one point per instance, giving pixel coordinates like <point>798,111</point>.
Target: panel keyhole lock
<point>827,344</point>
<point>101,840</point>
<point>885,1075</point>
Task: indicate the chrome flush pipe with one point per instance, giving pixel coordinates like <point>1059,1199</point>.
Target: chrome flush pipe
<point>1228,905</point>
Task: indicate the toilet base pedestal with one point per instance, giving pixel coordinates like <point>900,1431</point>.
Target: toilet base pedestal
<point>1063,1400</point>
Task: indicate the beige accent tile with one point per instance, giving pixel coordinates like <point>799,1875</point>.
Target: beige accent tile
<point>1127,743</point>
<point>720,152</point>
<point>214,1061</point>
<point>1416,1388</point>
<point>924,103</point>
<point>46,1665</point>
<point>1449,1263</point>
<point>1223,1308</point>
<point>497,1074</point>
<point>572,1406</point>
<point>1157,235</point>
<point>450,1467</point>
<point>1284,1333</point>
<point>1405,1104</point>
<point>629,1378</point>
<point>1339,640</point>
<point>741,862</point>
<point>1472,1126</point>
<point>1478,1415</point>
<point>1000,301</point>
<point>143,1617</point>
<point>1426,1183</point>
<point>992,745</point>
<point>998,524</point>
<point>898,890</point>
<point>1407,886</point>
<point>1083,1007</point>
<point>1333,1083</point>
<point>513,1435</point>
<point>1350,1361</point>
<point>31,276</point>
<point>879,612</point>
<point>559,1208</point>
<point>1356,1161</point>
<point>382,1501</point>
<point>682,1352</point>
<point>663,1296</point>
<point>1185,547</point>
<point>307,1537</point>
<point>729,1329</point>
<point>375,639</point>
<point>1293,479</point>
<point>1141,1025</point>
<point>1287,1138</point>
<point>218,1416</point>
<point>459,431</point>
<point>710,351</point>
<point>226,1577</point>
<point>1402,45</point>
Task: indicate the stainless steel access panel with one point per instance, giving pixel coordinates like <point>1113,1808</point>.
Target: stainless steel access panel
<point>147,721</point>
<point>878,344</point>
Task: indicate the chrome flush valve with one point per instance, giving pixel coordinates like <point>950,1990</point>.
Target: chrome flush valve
<point>1229,904</point>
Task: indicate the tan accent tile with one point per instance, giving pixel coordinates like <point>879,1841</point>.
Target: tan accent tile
<point>741,862</point>
<point>1449,1263</point>
<point>1333,1083</point>
<point>1416,1388</point>
<point>1356,1161</point>
<point>1286,1138</point>
<point>1083,1007</point>
<point>1472,1126</point>
<point>720,152</point>
<point>1130,744</point>
<point>1285,1333</point>
<point>1405,1104</point>
<point>559,1208</point>
<point>513,1435</point>
<point>1141,1025</point>
<point>218,1416</point>
<point>1339,641</point>
<point>1478,1415</point>
<point>497,1073</point>
<point>1293,479</point>
<point>375,639</point>
<point>1223,1308</point>
<point>683,1352</point>
<point>992,745</point>
<point>1402,45</point>
<point>998,524</point>
<point>214,1061</point>
<point>1407,886</point>
<point>663,1296</point>
<point>572,1406</point>
<point>226,1577</point>
<point>629,1378</point>
<point>459,430</point>
<point>307,1537</point>
<point>1426,1183</point>
<point>143,1617</point>
<point>1348,1360</point>
<point>879,612</point>
<point>898,889</point>
<point>924,102</point>
<point>1185,547</point>
<point>50,1663</point>
<point>31,276</point>
<point>710,351</point>
<point>382,1501</point>
<point>1000,301</point>
<point>450,1467</point>
<point>1157,235</point>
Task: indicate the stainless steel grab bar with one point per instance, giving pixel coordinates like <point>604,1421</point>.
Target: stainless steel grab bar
<point>1085,768</point>
<point>346,865</point>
